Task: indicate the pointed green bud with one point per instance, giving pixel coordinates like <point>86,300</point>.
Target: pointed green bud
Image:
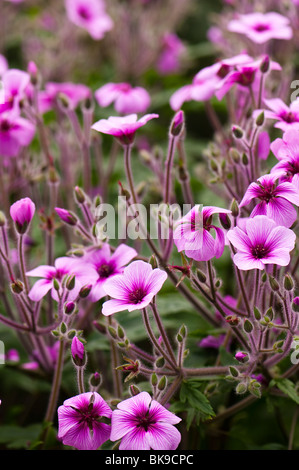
<point>248,326</point>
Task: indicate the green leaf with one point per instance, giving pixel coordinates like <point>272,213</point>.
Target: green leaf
<point>287,387</point>
<point>194,398</point>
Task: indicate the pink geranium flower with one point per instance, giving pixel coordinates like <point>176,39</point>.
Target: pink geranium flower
<point>22,212</point>
<point>286,150</point>
<point>172,50</point>
<point>193,236</point>
<point>62,267</point>
<point>14,83</point>
<point>90,16</point>
<point>15,132</point>
<point>276,198</point>
<point>105,265</point>
<point>80,421</point>
<point>262,27</point>
<point>74,93</point>
<point>245,75</point>
<point>3,65</point>
<point>126,99</point>
<point>134,289</point>
<point>262,242</point>
<point>143,424</point>
<point>286,117</point>
<point>206,81</point>
<point>123,128</point>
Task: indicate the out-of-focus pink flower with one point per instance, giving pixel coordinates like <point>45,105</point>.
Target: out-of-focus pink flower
<point>12,355</point>
<point>80,422</point>
<point>62,267</point>
<point>171,53</point>
<point>287,117</point>
<point>126,99</point>
<point>90,16</point>
<point>276,199</point>
<point>123,128</point>
<point>3,65</point>
<point>105,265</point>
<point>262,243</point>
<point>192,234</point>
<point>77,349</point>
<point>15,132</point>
<point>241,356</point>
<point>134,289</point>
<point>22,212</point>
<point>143,424</point>
<point>213,342</point>
<point>74,93</point>
<point>244,75</point>
<point>206,81</point>
<point>262,27</point>
<point>286,150</point>
<point>14,83</point>
<point>263,145</point>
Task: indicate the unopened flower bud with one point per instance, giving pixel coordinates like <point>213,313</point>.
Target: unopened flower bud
<point>162,383</point>
<point>69,307</point>
<point>95,380</point>
<point>273,283</point>
<point>177,125</point>
<point>241,356</point>
<point>79,195</point>
<point>260,119</point>
<point>265,64</point>
<point>234,154</point>
<point>66,216</point>
<point>248,326</point>
<point>295,304</point>
<point>134,390</point>
<point>85,291</point>
<point>17,287</point>
<point>78,352</point>
<point>2,219</point>
<point>234,208</point>
<point>70,282</point>
<point>241,388</point>
<point>225,221</point>
<point>201,276</point>
<point>237,132</point>
<point>232,320</point>
<point>288,282</point>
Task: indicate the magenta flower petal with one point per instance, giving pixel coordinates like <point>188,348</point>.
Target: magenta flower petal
<point>262,242</point>
<point>124,128</point>
<point>134,289</point>
<point>142,424</point>
<point>79,421</point>
<point>40,289</point>
<point>164,436</point>
<point>282,212</point>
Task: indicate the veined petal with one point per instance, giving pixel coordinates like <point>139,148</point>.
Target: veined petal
<point>40,289</point>
<point>282,211</point>
<point>163,436</point>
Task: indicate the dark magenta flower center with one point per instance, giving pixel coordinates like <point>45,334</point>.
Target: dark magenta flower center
<point>84,13</point>
<point>105,270</point>
<point>88,415</point>
<point>259,251</point>
<point>260,28</point>
<point>136,296</point>
<point>145,421</point>
<point>4,126</point>
<point>289,117</point>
